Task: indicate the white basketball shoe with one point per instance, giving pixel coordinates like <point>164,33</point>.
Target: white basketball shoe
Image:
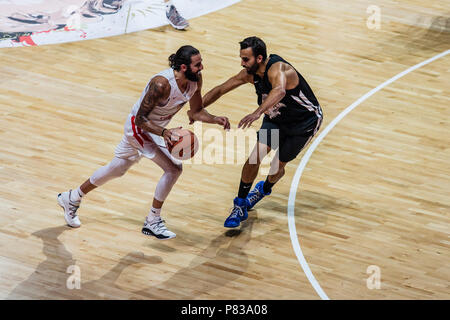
<point>70,209</point>
<point>157,229</point>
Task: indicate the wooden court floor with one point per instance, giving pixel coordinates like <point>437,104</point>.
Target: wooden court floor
<point>373,196</point>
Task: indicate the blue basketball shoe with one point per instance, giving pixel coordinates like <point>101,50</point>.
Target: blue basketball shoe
<point>238,214</point>
<point>256,195</point>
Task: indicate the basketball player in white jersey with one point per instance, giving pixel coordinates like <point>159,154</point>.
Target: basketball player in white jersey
<point>145,134</point>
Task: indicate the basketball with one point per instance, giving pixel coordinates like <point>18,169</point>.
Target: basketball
<point>186,146</point>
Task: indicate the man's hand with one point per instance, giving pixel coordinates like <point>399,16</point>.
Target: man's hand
<point>204,116</point>
<point>223,121</point>
<point>170,135</point>
<point>249,119</point>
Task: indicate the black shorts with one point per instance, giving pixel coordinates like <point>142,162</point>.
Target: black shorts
<point>276,136</point>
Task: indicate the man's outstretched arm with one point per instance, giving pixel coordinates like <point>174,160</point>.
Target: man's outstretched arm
<point>231,84</point>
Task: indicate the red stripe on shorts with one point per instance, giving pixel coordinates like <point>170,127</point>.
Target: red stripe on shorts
<point>143,135</point>
<point>135,135</point>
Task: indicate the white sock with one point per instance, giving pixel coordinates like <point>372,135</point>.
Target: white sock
<point>154,214</point>
<point>76,195</point>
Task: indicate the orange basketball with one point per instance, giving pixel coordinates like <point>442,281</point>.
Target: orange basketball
<point>186,146</point>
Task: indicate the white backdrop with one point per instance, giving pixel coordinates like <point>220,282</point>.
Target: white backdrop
<point>38,22</point>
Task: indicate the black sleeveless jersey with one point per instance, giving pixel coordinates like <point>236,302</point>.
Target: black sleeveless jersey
<point>299,108</point>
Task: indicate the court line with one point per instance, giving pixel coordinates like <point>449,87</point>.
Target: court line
<point>298,174</point>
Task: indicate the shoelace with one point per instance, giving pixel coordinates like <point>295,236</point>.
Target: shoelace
<point>236,211</point>
<point>159,225</point>
<point>253,196</point>
<point>73,209</point>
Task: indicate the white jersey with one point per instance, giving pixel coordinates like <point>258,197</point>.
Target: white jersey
<point>162,114</point>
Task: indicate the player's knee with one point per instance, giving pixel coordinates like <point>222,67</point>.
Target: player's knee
<point>253,162</point>
<point>276,168</point>
<point>120,170</point>
<point>256,158</point>
<point>179,170</point>
<point>176,170</point>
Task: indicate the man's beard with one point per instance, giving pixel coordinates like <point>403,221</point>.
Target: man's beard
<point>252,70</point>
<point>191,76</point>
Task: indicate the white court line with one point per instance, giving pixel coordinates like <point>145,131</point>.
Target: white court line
<point>305,159</point>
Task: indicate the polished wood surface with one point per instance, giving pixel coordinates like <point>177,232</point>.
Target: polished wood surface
<point>375,192</point>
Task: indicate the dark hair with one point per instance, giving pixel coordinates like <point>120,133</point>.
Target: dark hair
<point>258,46</point>
<point>183,56</point>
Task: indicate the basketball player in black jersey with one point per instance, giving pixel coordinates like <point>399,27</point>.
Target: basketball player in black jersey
<point>292,116</point>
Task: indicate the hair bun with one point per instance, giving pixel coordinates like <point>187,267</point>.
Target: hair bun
<point>172,60</point>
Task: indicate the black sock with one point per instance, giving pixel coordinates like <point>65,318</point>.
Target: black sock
<point>267,186</point>
<point>244,189</point>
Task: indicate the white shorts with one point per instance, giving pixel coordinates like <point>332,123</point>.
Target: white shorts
<point>135,144</point>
